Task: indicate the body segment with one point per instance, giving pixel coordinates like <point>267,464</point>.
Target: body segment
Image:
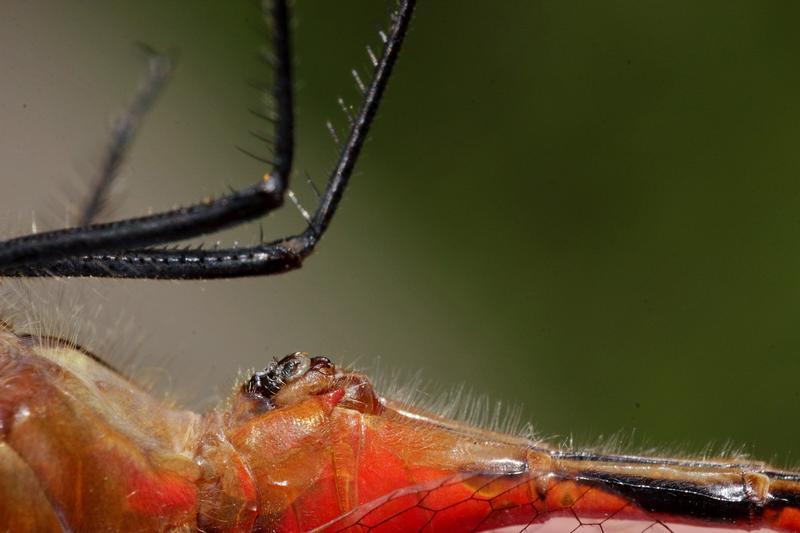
<point>103,453</point>
<point>84,449</point>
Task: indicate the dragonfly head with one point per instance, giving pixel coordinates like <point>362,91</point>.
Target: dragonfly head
<point>298,376</point>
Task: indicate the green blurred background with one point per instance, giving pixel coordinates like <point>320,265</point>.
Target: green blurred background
<point>590,210</point>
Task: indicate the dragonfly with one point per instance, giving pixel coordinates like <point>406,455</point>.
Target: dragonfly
<point>581,501</point>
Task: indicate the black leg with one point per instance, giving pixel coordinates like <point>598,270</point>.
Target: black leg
<point>264,259</point>
<point>40,250</point>
<point>159,70</point>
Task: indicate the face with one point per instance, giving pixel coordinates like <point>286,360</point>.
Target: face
<point>590,213</point>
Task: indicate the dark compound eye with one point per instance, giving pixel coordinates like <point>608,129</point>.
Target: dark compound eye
<point>291,367</point>
<point>268,382</point>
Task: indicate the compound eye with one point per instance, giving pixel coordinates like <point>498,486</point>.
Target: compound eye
<point>269,382</point>
<point>292,366</point>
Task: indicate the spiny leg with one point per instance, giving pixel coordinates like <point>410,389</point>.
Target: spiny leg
<point>39,254</point>
<point>263,259</point>
<point>159,70</point>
